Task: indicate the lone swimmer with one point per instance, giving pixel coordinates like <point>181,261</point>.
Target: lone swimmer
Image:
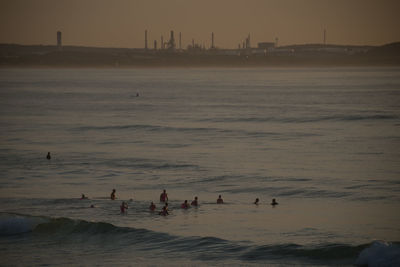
<point>48,156</point>
<point>220,200</point>
<point>273,203</point>
<point>164,196</point>
<point>112,195</point>
<point>84,197</point>
<point>152,206</point>
<point>256,202</point>
<point>123,207</point>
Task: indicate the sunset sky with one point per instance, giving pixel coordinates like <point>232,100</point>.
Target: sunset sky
<point>121,23</point>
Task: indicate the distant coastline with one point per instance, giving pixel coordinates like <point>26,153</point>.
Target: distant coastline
<point>312,55</point>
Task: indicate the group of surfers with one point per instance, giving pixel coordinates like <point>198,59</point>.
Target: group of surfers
<point>164,199</point>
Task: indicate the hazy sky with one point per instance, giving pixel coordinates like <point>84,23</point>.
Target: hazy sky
<point>121,23</point>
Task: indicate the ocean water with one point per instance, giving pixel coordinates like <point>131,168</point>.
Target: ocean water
<point>325,143</point>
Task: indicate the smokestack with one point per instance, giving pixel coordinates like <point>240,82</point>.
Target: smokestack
<point>180,40</point>
<point>324,37</point>
<point>212,40</point>
<point>145,39</point>
<point>59,44</point>
<point>155,44</point>
<point>172,41</point>
<point>162,42</point>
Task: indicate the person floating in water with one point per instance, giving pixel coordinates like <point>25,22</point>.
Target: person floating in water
<point>48,156</point>
<point>185,205</point>
<point>256,202</point>
<point>194,202</point>
<point>220,200</point>
<point>112,195</point>
<point>152,206</point>
<point>84,197</point>
<point>123,207</point>
<point>273,203</point>
<point>164,196</point>
<point>164,210</point>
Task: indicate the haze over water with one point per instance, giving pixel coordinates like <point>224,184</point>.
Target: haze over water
<point>323,142</point>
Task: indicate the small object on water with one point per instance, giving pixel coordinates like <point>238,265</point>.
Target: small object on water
<point>220,200</point>
<point>112,194</point>
<point>273,203</point>
<point>256,202</point>
<point>152,206</point>
<point>48,156</point>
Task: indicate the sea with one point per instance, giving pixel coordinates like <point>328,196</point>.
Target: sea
<point>323,142</point>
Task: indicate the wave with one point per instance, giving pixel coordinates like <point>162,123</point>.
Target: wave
<point>306,119</point>
<point>200,248</point>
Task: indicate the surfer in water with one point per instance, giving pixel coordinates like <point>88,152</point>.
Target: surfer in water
<point>164,196</point>
<point>112,196</point>
<point>123,207</point>
<point>256,202</point>
<point>48,156</point>
<point>274,203</point>
<point>185,205</point>
<point>220,200</point>
<point>194,202</point>
<point>84,197</point>
<point>164,211</point>
<point>152,206</point>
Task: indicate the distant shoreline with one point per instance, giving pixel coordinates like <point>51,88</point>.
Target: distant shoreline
<point>23,56</point>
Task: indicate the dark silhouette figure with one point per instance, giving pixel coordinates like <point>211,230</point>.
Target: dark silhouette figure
<point>112,194</point>
<point>164,210</point>
<point>185,205</point>
<point>152,206</point>
<point>48,156</point>
<point>274,203</point>
<point>194,202</point>
<point>256,202</point>
<point>123,207</point>
<point>220,200</point>
<point>84,197</point>
<point>164,196</point>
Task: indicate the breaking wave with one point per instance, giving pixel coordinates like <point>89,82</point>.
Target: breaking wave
<point>200,248</point>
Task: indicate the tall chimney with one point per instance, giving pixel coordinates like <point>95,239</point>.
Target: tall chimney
<point>59,44</point>
<point>145,39</point>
